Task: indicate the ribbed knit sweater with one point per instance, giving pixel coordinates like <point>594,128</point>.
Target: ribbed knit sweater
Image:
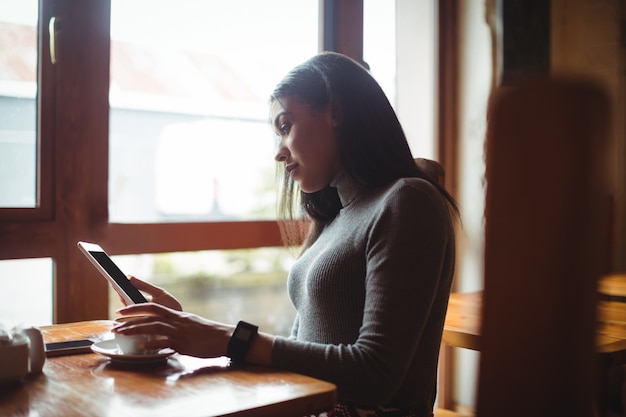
<point>371,296</point>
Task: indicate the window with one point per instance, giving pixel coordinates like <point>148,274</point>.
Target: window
<point>189,132</point>
<point>226,286</point>
<point>28,280</point>
<point>18,90</point>
<point>399,39</point>
<point>26,292</point>
<point>120,119</point>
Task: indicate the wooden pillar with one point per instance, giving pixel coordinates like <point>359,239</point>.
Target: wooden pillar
<point>342,27</point>
<point>544,249</point>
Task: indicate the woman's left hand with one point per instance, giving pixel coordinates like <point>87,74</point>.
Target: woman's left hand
<point>186,333</point>
<point>155,294</point>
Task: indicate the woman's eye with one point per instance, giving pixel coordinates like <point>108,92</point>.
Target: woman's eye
<point>284,128</point>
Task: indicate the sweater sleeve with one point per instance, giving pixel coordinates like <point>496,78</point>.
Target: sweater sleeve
<point>407,281</point>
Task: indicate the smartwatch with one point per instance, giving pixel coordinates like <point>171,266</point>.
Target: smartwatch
<point>240,341</point>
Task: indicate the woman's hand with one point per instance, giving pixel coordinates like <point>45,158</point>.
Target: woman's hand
<point>186,333</point>
<point>156,294</point>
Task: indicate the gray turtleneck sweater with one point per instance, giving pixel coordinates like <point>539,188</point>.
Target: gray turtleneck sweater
<point>371,296</point>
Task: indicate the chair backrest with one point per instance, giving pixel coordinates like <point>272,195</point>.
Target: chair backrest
<point>432,169</point>
<point>544,249</point>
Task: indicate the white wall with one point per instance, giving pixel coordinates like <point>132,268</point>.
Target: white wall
<point>474,89</point>
<point>416,63</point>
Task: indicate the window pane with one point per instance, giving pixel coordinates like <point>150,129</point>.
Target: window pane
<point>26,291</point>
<point>18,90</point>
<point>190,81</point>
<point>226,286</point>
<point>399,44</point>
<point>379,43</point>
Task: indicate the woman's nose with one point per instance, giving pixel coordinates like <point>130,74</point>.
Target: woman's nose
<point>281,154</point>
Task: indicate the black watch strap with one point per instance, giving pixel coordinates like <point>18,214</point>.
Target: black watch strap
<point>240,341</point>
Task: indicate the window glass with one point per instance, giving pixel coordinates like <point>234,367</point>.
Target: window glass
<point>226,286</point>
<point>399,44</point>
<point>18,91</point>
<point>26,291</point>
<point>190,82</point>
<point>379,43</point>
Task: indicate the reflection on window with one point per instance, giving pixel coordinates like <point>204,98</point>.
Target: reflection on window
<point>189,132</point>
<point>18,90</point>
<point>226,286</point>
<point>26,292</point>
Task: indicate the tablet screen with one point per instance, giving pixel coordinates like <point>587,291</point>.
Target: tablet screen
<point>112,273</point>
<point>119,277</point>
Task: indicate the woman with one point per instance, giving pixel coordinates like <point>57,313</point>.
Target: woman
<point>371,285</point>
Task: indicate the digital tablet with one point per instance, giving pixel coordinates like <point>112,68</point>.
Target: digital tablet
<point>112,273</point>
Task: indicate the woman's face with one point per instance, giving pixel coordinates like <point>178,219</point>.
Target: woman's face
<point>308,143</point>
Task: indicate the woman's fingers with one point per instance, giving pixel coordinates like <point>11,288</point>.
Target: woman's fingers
<point>151,309</point>
<point>186,333</point>
<point>145,326</point>
<point>163,333</point>
<point>144,286</point>
<point>167,333</point>
<point>157,294</point>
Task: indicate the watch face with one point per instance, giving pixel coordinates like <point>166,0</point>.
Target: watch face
<point>243,333</point>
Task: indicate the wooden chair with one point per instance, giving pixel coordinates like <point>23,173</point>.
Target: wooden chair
<point>432,169</point>
<point>612,287</point>
<point>436,173</point>
<point>446,413</point>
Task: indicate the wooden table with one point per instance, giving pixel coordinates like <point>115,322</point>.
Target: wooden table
<point>462,325</point>
<point>613,286</point>
<point>89,384</point>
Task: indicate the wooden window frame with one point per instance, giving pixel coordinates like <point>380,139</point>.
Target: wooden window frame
<point>447,150</point>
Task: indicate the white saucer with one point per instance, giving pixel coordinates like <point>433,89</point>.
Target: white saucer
<point>109,348</point>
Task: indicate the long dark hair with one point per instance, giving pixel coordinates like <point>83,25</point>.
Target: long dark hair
<point>372,146</point>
